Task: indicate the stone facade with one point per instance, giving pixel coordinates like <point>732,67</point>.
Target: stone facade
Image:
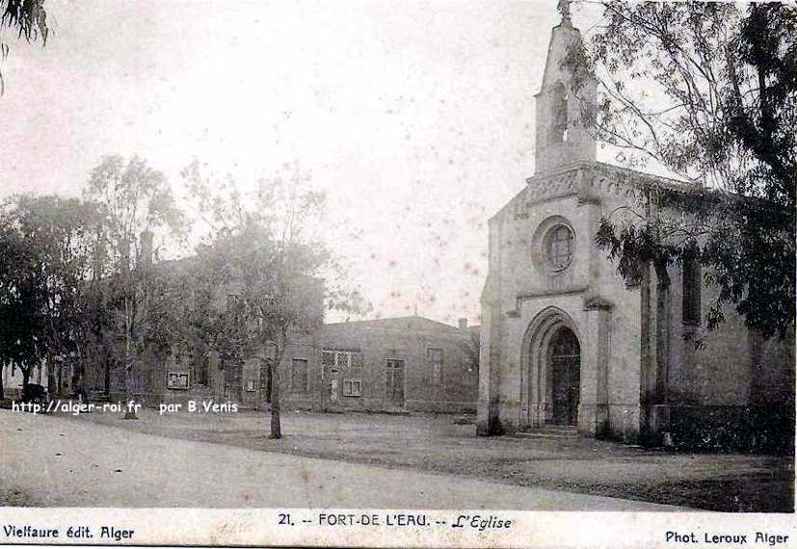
<point>560,328</point>
<point>395,364</point>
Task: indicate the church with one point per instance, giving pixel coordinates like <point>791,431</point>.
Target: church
<point>564,339</point>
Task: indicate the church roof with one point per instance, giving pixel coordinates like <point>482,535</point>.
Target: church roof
<point>588,180</point>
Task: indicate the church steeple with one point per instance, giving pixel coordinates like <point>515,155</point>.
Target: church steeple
<point>561,138</point>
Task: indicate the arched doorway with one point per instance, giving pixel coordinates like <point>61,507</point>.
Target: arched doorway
<point>564,361</point>
<point>551,343</point>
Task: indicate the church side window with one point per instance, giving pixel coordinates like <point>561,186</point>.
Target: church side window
<point>692,286</point>
<point>559,248</point>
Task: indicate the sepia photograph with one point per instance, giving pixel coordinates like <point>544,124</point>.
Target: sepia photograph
<point>380,274</point>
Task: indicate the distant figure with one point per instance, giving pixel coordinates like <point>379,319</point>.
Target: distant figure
<point>79,392</point>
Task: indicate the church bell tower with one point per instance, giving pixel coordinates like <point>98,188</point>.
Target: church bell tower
<point>561,138</point>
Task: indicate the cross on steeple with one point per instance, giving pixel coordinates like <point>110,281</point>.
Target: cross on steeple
<point>564,9</point>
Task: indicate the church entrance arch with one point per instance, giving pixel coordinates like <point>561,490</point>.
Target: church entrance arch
<point>552,365</point>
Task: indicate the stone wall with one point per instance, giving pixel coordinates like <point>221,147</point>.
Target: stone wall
<point>375,344</point>
<point>620,330</point>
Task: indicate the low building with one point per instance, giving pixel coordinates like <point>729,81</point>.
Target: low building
<point>393,364</point>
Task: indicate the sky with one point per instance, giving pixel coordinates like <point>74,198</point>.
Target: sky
<point>415,119</point>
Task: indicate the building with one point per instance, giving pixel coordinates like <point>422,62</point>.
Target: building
<point>565,341</point>
<point>393,364</point>
<point>184,367</point>
<point>380,365</point>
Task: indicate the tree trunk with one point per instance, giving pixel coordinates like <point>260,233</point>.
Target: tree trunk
<point>265,381</point>
<point>107,381</point>
<point>25,378</point>
<point>77,374</point>
<point>130,412</point>
<point>50,373</point>
<point>276,428</point>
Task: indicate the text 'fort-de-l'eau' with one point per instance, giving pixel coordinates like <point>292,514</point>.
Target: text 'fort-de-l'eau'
<point>413,520</point>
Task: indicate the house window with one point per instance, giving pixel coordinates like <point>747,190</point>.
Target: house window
<point>299,375</point>
<point>352,387</point>
<point>250,386</point>
<point>175,380</point>
<point>337,361</point>
<point>559,247</point>
<point>328,358</point>
<point>434,358</point>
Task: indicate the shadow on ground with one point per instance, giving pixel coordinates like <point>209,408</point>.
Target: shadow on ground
<point>717,482</point>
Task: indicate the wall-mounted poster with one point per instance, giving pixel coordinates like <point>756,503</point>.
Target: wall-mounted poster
<point>177,380</point>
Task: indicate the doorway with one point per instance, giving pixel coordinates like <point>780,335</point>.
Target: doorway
<point>565,361</point>
<point>395,382</point>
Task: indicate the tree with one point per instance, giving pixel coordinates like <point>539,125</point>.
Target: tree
<point>708,92</point>
<point>263,252</point>
<point>135,201</point>
<point>47,256</point>
<point>19,321</point>
<point>28,18</point>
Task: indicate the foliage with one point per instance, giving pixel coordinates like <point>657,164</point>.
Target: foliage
<point>70,289</point>
<point>261,253</point>
<point>472,349</point>
<point>138,216</point>
<point>707,91</point>
<point>47,254</point>
<point>28,18</point>
<point>19,322</point>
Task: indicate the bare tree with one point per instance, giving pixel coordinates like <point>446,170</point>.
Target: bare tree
<point>135,201</point>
